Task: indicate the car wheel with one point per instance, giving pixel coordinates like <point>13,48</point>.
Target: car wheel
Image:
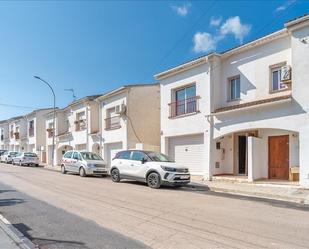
<point>82,172</point>
<point>115,175</point>
<point>63,171</point>
<point>36,165</point>
<point>153,180</point>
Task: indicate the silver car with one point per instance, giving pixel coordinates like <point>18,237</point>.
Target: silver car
<point>7,156</point>
<point>26,158</point>
<point>84,163</point>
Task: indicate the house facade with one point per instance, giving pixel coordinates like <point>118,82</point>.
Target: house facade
<point>242,112</point>
<point>35,133</point>
<point>17,134</point>
<point>73,127</point>
<point>129,119</point>
<point>4,135</point>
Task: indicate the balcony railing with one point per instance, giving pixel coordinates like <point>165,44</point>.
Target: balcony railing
<point>112,123</point>
<point>184,107</point>
<point>80,125</point>
<point>31,132</point>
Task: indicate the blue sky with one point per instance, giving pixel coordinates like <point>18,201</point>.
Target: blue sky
<point>96,46</point>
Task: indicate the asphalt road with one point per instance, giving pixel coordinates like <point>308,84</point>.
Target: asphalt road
<point>51,227</point>
<point>67,211</point>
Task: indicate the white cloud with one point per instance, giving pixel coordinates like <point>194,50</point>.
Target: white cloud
<point>215,21</point>
<point>182,10</point>
<point>206,42</point>
<point>285,5</point>
<point>203,42</point>
<point>234,26</point>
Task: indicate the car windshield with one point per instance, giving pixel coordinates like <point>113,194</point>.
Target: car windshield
<point>90,156</point>
<point>159,157</point>
<point>30,154</point>
<point>13,153</point>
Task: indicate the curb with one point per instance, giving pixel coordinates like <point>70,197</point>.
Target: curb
<point>19,239</point>
<point>302,201</point>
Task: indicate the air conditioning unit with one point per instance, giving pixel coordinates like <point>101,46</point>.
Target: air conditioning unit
<point>120,109</point>
<point>286,74</point>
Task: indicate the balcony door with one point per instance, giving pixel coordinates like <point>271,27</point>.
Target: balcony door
<point>185,100</point>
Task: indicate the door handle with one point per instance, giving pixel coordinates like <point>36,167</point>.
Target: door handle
<point>132,165</point>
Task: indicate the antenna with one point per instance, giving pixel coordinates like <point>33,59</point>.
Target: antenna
<point>73,93</point>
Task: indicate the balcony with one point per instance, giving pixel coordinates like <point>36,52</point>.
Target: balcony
<point>80,125</point>
<point>31,132</point>
<point>184,107</point>
<point>112,123</point>
<point>16,135</point>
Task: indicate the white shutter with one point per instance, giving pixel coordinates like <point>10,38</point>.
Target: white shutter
<point>188,151</point>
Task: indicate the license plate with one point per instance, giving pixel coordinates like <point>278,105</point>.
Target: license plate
<point>184,177</point>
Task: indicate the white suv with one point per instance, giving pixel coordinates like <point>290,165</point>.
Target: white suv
<point>147,166</point>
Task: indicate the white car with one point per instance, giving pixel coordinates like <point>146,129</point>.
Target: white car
<point>7,156</point>
<point>83,163</point>
<point>154,168</point>
<point>26,158</point>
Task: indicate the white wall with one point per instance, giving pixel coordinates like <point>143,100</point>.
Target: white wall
<point>253,67</point>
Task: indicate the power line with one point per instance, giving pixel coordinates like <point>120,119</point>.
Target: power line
<point>273,20</point>
<point>183,36</point>
<point>17,106</point>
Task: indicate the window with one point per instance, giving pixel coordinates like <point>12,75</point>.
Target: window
<point>112,120</point>
<point>76,156</point>
<point>68,154</point>
<point>31,128</point>
<point>276,84</point>
<point>218,145</point>
<point>185,101</point>
<point>138,156</point>
<point>234,86</point>
<point>90,156</point>
<point>124,155</point>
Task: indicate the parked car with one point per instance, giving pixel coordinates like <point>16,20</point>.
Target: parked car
<point>84,163</point>
<point>25,158</point>
<point>7,156</point>
<point>154,168</point>
<point>2,151</point>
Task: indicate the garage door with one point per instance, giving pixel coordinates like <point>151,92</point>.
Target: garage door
<point>188,151</point>
<point>111,151</point>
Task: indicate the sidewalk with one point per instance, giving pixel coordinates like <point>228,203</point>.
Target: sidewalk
<point>259,189</point>
<point>11,238</point>
<point>290,193</point>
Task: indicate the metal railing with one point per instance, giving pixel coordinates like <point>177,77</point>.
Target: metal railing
<point>112,123</point>
<point>183,107</point>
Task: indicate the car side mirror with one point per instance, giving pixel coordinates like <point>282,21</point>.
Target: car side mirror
<point>144,160</point>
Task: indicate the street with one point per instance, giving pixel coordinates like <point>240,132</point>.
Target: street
<point>67,211</point>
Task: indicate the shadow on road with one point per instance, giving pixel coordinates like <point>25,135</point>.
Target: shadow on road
<point>48,243</point>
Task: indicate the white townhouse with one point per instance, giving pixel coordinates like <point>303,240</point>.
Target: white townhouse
<point>17,134</point>
<point>129,119</point>
<point>35,132</point>
<point>4,135</point>
<point>243,112</point>
<point>74,126</point>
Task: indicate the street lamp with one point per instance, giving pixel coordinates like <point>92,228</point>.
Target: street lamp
<point>54,115</point>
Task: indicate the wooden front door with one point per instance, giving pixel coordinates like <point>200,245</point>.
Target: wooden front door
<point>278,157</point>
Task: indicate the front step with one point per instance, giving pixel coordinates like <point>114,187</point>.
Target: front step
<point>235,179</point>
